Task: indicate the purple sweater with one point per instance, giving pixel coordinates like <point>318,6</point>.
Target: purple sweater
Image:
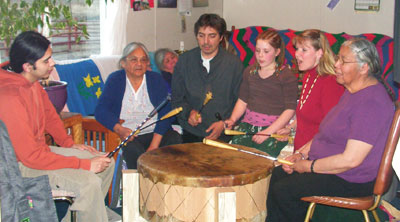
<point>365,116</point>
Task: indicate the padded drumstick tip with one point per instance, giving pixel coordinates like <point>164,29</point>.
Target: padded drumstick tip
<point>233,132</point>
<point>285,162</point>
<point>218,144</point>
<point>172,113</point>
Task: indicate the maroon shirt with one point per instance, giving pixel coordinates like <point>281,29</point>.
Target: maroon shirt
<point>323,96</point>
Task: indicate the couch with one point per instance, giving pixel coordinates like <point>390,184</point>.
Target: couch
<point>243,43</point>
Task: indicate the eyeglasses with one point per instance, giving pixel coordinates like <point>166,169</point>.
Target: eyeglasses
<point>341,61</point>
<point>135,60</point>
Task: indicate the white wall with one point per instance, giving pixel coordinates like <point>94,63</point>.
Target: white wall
<point>305,14</point>
<point>161,27</point>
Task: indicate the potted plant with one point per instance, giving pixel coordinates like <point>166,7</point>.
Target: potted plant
<point>57,92</point>
<point>36,15</point>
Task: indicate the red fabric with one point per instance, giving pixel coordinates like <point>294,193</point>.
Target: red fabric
<point>27,112</point>
<point>324,95</point>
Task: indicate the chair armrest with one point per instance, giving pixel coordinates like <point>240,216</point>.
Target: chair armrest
<point>90,123</point>
<point>73,122</point>
<point>94,130</point>
<point>87,130</point>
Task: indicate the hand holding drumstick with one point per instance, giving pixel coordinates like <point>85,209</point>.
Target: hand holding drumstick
<point>195,116</point>
<point>206,100</point>
<point>193,120</point>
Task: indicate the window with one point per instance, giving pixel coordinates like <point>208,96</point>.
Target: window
<point>64,43</point>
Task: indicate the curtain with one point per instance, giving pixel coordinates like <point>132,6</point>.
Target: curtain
<point>396,40</point>
<point>113,19</point>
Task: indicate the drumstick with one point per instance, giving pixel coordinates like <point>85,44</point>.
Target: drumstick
<point>226,146</point>
<point>137,129</point>
<point>168,115</point>
<point>206,100</point>
<point>235,132</point>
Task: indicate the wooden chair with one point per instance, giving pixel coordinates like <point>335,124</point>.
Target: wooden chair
<point>382,183</point>
<point>73,125</point>
<point>86,130</point>
<point>94,132</point>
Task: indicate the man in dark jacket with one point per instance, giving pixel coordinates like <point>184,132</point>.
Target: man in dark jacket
<point>206,68</point>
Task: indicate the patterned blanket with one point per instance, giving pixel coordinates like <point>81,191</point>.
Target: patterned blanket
<point>243,41</point>
<point>85,85</point>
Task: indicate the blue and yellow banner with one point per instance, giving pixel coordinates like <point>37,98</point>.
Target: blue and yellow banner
<point>85,85</point>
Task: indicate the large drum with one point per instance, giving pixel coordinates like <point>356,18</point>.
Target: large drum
<point>182,182</point>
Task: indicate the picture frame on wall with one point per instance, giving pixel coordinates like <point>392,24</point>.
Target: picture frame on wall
<point>166,3</point>
<point>140,5</point>
<point>200,3</point>
<point>367,5</point>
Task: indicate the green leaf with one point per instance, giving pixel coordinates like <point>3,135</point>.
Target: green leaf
<point>27,15</point>
<point>89,2</point>
<point>14,6</point>
<point>48,21</point>
<point>23,4</point>
<point>56,12</point>
<point>40,22</point>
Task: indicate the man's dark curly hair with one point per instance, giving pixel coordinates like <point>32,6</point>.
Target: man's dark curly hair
<point>211,20</point>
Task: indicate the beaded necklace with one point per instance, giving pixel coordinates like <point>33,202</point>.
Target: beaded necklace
<point>302,101</point>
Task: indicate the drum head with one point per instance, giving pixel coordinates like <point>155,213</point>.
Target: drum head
<point>201,165</point>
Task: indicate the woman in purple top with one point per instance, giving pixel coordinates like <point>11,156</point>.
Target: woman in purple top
<point>343,157</point>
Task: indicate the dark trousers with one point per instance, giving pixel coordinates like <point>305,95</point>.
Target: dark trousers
<point>139,145</point>
<point>191,138</point>
<point>285,191</point>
